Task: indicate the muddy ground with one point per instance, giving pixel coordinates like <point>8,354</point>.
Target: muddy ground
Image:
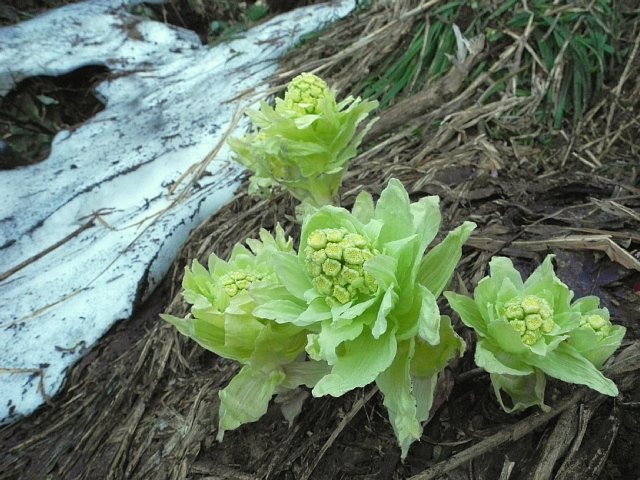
<point>143,402</point>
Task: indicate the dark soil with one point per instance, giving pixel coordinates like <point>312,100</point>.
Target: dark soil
<point>142,404</point>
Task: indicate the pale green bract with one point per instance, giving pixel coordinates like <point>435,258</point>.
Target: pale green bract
<point>529,329</point>
<point>363,286</point>
<point>222,320</point>
<point>304,144</point>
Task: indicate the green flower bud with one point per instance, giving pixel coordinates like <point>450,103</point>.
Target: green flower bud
<point>531,317</point>
<point>304,93</point>
<point>600,326</point>
<point>335,259</point>
<point>237,281</point>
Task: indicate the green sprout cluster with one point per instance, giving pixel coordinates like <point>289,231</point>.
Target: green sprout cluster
<point>335,259</point>
<point>356,302</point>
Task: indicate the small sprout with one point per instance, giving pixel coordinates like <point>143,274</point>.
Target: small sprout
<point>529,329</point>
<point>368,294</point>
<point>224,320</point>
<point>596,338</point>
<point>304,143</point>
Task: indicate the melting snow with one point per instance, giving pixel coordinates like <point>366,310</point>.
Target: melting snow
<point>83,233</point>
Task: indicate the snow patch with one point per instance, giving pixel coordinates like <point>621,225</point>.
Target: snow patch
<point>109,209</point>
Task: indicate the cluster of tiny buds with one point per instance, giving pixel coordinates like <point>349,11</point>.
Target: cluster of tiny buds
<point>304,93</point>
<point>237,281</point>
<point>597,323</point>
<point>334,258</point>
<point>531,317</point>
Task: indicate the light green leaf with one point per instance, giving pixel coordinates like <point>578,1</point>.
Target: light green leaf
<point>305,121</point>
<point>429,317</point>
<point>506,292</point>
<point>303,373</point>
<point>424,389</point>
<point>485,296</point>
<point>362,361</point>
<point>395,385</point>
<point>363,208</point>
<point>382,268</point>
<point>426,220</point>
<point>210,336</point>
<point>333,334</point>
<point>505,336</point>
<point>428,359</point>
<point>393,210</point>
<point>438,265</point>
<point>403,250</point>
<point>495,360</point>
<point>540,346</point>
<point>278,345</point>
<point>524,391</point>
<point>566,364</point>
<point>265,291</point>
<point>501,268</point>
<point>468,311</point>
<point>596,350</point>
<point>372,229</point>
<point>281,311</point>
<point>543,280</point>
<point>356,310</point>
<point>246,398</point>
<point>567,321</point>
<point>240,331</point>
<point>586,304</point>
<point>198,269</point>
<point>317,311</point>
<point>291,274</point>
<point>388,301</point>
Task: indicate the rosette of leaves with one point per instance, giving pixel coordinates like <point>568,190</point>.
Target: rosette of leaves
<point>222,321</point>
<point>529,329</point>
<point>362,284</point>
<point>305,142</point>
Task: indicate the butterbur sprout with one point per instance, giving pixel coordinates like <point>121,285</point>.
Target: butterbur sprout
<point>595,338</point>
<point>364,288</point>
<point>305,142</point>
<point>529,329</point>
<point>222,321</point>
